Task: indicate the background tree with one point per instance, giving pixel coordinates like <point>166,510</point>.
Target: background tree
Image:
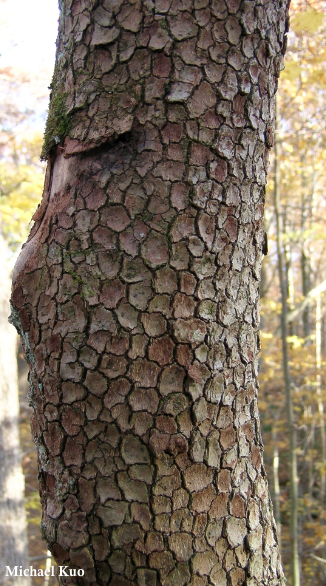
<point>301,235</point>
<point>13,527</point>
<point>136,295</point>
<point>23,95</point>
<point>13,537</point>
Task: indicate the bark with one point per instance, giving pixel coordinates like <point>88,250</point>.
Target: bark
<point>137,293</point>
<point>13,534</point>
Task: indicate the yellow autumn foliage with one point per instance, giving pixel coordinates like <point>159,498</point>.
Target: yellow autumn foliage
<point>21,185</point>
<point>310,20</point>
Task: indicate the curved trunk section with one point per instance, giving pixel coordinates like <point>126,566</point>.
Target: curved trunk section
<point>137,293</point>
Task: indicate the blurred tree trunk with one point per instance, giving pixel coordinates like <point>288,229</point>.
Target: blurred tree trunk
<point>276,480</point>
<point>319,394</point>
<point>13,534</point>
<point>283,279</point>
<point>137,293</point>
<point>305,264</point>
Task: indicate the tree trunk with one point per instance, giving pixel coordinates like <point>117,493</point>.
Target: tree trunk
<point>13,533</point>
<point>294,496</point>
<point>276,480</point>
<point>305,265</point>
<point>137,292</point>
<point>319,394</point>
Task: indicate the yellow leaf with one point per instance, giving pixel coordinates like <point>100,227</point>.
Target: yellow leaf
<point>310,20</point>
<point>317,77</point>
<point>292,70</point>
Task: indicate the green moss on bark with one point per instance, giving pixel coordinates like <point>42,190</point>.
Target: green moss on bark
<point>57,126</point>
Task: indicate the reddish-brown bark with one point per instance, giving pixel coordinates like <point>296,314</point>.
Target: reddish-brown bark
<point>136,294</point>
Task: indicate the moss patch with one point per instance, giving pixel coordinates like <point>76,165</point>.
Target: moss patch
<point>57,126</point>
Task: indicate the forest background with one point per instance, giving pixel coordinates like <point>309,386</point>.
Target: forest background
<point>293,289</point>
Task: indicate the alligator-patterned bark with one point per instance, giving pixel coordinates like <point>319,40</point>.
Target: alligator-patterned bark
<point>136,295</point>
